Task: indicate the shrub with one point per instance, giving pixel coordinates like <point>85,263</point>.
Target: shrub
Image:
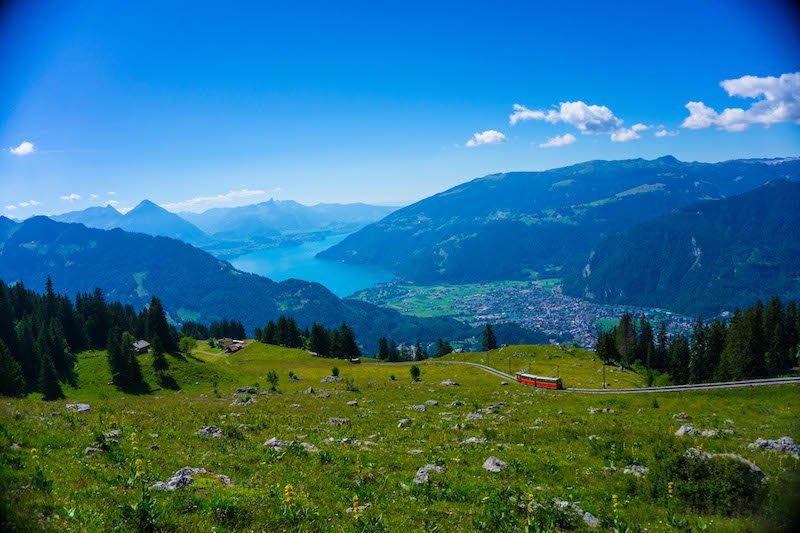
<point>272,379</point>
<point>335,371</point>
<point>415,372</point>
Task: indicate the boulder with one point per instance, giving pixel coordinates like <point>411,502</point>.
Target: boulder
<point>352,403</point>
<point>449,383</point>
<point>78,407</point>
<point>783,444</point>
<point>421,408</point>
<point>405,422</point>
<point>431,403</point>
<point>210,431</point>
<point>493,464</point>
<point>307,446</point>
<point>690,430</point>
<point>474,440</point>
<point>636,470</point>
<point>91,450</point>
<point>331,379</point>
<point>183,477</point>
<point>309,390</point>
<point>593,410</point>
<point>334,421</point>
<point>474,416</point>
<point>423,477</point>
<point>276,444</point>
<point>588,518</point>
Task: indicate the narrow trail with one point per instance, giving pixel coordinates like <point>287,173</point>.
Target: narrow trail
<point>672,388</point>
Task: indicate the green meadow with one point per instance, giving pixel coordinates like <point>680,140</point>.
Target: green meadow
<point>552,445</point>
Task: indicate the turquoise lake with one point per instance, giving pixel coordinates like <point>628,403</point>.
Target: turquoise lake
<point>299,262</point>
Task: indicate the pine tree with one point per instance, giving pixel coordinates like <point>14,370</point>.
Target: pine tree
<point>606,347</point>
<point>318,340</point>
<point>645,349</point>
<point>443,348</point>
<point>698,353</point>
<point>160,363</point>
<point>335,344</point>
<point>48,380</point>
<point>661,353</point>
<point>115,359</point>
<point>488,339</point>
<point>679,356</point>
<point>133,372</point>
<point>626,340</point>
<point>270,333</point>
<point>394,353</point>
<point>157,325</point>
<point>383,349</point>
<point>715,344</point>
<point>11,381</point>
<point>419,354</point>
<point>350,347</point>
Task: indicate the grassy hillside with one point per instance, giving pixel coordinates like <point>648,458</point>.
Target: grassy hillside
<point>553,446</point>
<point>576,367</point>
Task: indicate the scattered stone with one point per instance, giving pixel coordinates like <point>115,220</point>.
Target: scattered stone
<point>690,430</point>
<point>422,476</point>
<point>91,450</point>
<point>495,407</point>
<point>421,408</point>
<point>334,421</point>
<point>474,440</point>
<point>210,431</point>
<point>474,416</point>
<point>588,518</point>
<point>449,383</point>
<point>457,427</point>
<point>78,407</point>
<point>405,422</point>
<point>352,403</point>
<point>729,422</point>
<point>295,406</point>
<point>309,390</point>
<point>783,444</point>
<point>331,379</point>
<point>417,452</point>
<point>307,446</point>
<point>431,403</point>
<point>456,403</point>
<point>680,416</point>
<point>593,410</point>
<point>636,470</point>
<point>294,379</point>
<point>504,383</point>
<point>244,391</point>
<point>113,434</point>
<point>15,446</point>
<point>243,401</point>
<point>706,456</point>
<point>183,477</point>
<point>276,444</point>
<point>493,464</point>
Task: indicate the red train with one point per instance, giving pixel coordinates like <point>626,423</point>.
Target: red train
<point>539,381</point>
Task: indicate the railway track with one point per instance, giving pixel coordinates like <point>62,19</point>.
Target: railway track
<point>671,388</point>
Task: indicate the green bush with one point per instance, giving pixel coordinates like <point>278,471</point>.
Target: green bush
<point>335,371</point>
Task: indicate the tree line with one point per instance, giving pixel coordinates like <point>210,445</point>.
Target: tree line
<point>760,341</point>
<point>231,329</point>
<point>40,333</point>
<point>337,343</point>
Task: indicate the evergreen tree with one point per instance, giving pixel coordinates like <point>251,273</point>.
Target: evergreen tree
<point>270,335</point>
<point>698,366</point>
<point>679,356</point>
<point>319,340</point>
<point>160,363</point>
<point>293,337</point>
<point>715,344</point>
<point>157,325</point>
<point>443,348</point>
<point>645,349</point>
<point>383,349</point>
<point>606,347</point>
<point>733,362</point>
<point>394,353</point>
<point>48,379</point>
<point>419,354</point>
<point>488,339</point>
<point>115,359</point>
<point>11,381</point>
<point>350,347</point>
<point>133,372</point>
<point>335,344</point>
<point>661,353</point>
<point>626,340</point>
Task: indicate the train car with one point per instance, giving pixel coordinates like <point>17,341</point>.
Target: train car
<point>539,381</point>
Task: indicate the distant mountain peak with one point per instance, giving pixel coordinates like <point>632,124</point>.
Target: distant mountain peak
<point>668,159</point>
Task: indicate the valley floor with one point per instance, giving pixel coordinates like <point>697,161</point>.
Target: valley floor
<point>570,447</point>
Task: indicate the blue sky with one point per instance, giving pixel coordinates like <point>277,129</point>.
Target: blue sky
<point>200,104</point>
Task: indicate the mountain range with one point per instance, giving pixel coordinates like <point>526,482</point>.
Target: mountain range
<point>192,284</point>
<point>703,259</point>
<point>521,224</point>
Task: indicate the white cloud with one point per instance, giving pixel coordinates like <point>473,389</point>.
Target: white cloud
<point>11,207</point>
<point>111,193</point>
<point>112,203</point>
<point>640,127</point>
<point>29,203</point>
<point>588,119</point>
<point>777,100</point>
<point>94,196</point>
<point>228,199</point>
<point>663,132</point>
<point>486,137</point>
<point>624,135</point>
<point>24,148</point>
<point>71,197</point>
<point>558,140</point>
